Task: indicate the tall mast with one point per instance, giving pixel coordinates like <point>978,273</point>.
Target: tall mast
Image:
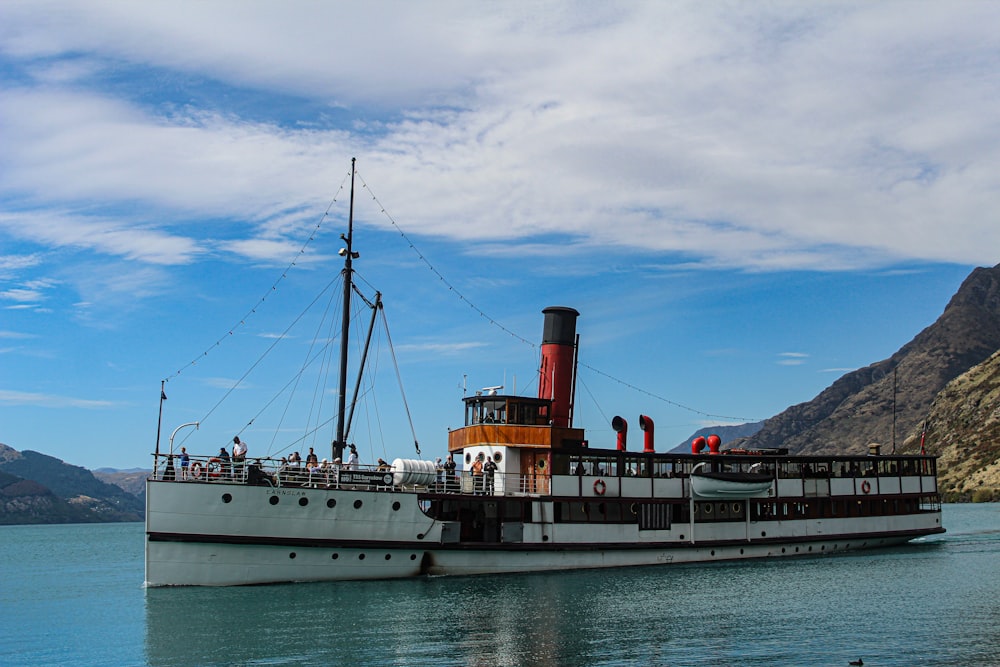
<point>349,256</point>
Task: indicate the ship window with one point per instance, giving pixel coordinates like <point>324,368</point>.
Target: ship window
<point>789,470</point>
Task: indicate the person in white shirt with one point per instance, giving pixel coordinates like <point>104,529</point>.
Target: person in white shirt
<point>352,459</point>
<point>239,449</point>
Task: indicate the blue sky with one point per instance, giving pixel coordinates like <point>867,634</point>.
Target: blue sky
<point>743,202</point>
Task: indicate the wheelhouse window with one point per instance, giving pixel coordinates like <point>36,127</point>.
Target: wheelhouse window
<point>493,409</point>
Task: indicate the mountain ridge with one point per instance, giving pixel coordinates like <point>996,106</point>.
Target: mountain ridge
<point>890,398</point>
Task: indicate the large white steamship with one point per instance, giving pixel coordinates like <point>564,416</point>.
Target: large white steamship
<point>554,501</point>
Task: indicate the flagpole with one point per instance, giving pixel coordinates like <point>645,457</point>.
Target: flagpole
<point>159,425</point>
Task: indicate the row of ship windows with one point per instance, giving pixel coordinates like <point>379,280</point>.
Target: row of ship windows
<point>662,514</point>
<point>304,501</point>
<point>336,556</point>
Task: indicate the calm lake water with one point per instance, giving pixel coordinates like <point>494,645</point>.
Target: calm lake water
<point>73,595</point>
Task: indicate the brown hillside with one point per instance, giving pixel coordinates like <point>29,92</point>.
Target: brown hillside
<point>963,429</point>
<point>858,408</point>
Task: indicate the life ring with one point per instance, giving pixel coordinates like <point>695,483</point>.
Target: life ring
<point>600,487</point>
<point>196,470</point>
<point>214,467</point>
<point>866,486</point>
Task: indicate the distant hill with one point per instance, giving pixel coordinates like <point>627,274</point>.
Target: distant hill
<point>726,433</point>
<point>131,481</point>
<point>36,488</point>
<point>24,501</point>
<point>859,408</point>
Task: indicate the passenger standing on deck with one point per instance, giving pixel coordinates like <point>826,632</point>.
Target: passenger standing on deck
<point>185,463</point>
<point>449,473</point>
<point>440,473</point>
<point>477,475</point>
<point>489,468</point>
<point>311,458</point>
<point>352,459</point>
<point>239,456</point>
<point>335,472</point>
<point>223,462</point>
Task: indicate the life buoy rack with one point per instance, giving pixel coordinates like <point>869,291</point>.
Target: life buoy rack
<point>214,467</point>
<point>866,486</point>
<point>195,470</point>
<point>600,487</point>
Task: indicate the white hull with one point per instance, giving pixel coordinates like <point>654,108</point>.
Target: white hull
<point>196,538</point>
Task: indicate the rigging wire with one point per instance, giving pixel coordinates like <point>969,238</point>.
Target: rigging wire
<point>273,288</point>
<point>440,276</point>
<point>532,344</point>
<point>260,359</point>
<point>399,378</point>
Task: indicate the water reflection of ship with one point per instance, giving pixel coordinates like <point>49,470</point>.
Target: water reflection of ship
<point>475,621</point>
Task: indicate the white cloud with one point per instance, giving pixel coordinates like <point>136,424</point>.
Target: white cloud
<point>793,136</point>
<point>792,358</point>
<point>21,398</point>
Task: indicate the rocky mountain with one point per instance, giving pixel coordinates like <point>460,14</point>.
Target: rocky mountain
<point>726,434</point>
<point>130,481</point>
<point>36,488</point>
<point>963,429</point>
<point>894,396</point>
<point>24,501</point>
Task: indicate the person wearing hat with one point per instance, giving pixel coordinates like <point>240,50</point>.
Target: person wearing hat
<point>335,472</point>
<point>352,459</point>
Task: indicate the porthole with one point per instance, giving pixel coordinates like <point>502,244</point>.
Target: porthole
<point>420,536</point>
<point>303,501</point>
<point>292,555</point>
<point>763,533</point>
<point>498,456</point>
<point>334,556</point>
<point>541,464</point>
<point>396,506</point>
<point>273,500</point>
<point>361,556</point>
<point>707,508</point>
<point>782,549</point>
<point>227,498</point>
<point>737,508</point>
<point>413,556</point>
<point>468,458</point>
<point>331,503</point>
<point>741,552</point>
<point>545,538</point>
<point>796,549</point>
<point>357,504</point>
<point>713,552</point>
<point>388,556</point>
<point>681,537</point>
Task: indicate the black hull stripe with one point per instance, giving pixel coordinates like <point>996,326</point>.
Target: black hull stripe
<point>191,538</point>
